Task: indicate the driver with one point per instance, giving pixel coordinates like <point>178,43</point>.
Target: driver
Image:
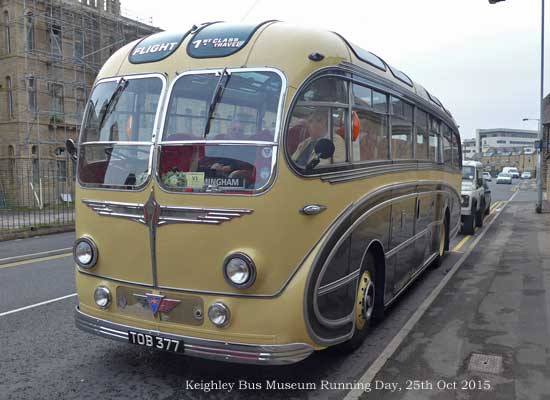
<point>317,128</point>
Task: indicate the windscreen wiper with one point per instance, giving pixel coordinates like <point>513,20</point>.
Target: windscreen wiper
<point>220,86</point>
<point>111,103</point>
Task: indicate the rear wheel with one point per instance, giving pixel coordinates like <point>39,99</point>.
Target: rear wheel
<point>468,223</point>
<point>442,243</point>
<point>480,214</point>
<point>369,304</point>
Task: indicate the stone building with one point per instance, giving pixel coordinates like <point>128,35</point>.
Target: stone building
<point>50,53</point>
<point>524,160</point>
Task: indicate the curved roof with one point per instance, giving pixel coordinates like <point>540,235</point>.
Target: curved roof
<point>268,44</point>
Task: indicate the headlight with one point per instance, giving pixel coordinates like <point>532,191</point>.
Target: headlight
<point>219,315</point>
<point>85,252</point>
<point>239,270</point>
<point>102,297</point>
<point>465,200</point>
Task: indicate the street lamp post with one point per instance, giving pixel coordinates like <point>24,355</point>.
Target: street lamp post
<point>541,136</point>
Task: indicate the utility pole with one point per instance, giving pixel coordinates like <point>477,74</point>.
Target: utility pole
<point>538,207</point>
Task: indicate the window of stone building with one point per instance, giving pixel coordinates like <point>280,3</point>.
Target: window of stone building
<point>56,93</point>
<point>35,164</point>
<point>80,98</point>
<point>56,40</point>
<point>9,94</point>
<point>7,33</point>
<point>61,170</point>
<point>78,46</point>
<point>11,161</point>
<point>29,28</point>
<point>31,94</point>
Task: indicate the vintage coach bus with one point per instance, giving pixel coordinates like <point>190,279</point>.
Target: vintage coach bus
<point>253,193</point>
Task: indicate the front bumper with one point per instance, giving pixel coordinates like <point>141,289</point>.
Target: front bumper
<point>210,349</point>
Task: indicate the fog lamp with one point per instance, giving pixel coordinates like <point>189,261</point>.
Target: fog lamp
<point>219,315</point>
<point>85,252</point>
<point>239,270</point>
<point>102,297</point>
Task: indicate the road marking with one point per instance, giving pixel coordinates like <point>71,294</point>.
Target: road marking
<point>461,243</point>
<point>37,305</point>
<point>392,347</point>
<point>26,257</point>
<point>18,263</point>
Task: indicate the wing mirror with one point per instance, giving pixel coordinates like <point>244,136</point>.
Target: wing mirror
<point>324,149</point>
<point>72,149</point>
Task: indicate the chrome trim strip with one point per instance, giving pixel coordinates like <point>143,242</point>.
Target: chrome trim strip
<point>406,243</point>
<point>417,236</point>
<point>111,279</point>
<point>330,287</point>
<point>350,175</point>
<point>213,216</point>
<point>276,134</point>
<point>412,279</point>
<point>246,353</point>
<point>257,143</point>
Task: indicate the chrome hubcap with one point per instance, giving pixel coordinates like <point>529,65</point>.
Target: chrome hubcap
<point>365,297</point>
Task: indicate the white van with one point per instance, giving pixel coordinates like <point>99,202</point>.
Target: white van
<point>512,171</point>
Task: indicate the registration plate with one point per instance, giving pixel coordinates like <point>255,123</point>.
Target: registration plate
<point>155,342</point>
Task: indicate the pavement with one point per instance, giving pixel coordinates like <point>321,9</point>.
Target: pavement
<point>490,297</point>
<point>35,247</point>
<point>487,335</point>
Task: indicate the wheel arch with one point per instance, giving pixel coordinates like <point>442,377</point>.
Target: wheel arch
<point>376,248</point>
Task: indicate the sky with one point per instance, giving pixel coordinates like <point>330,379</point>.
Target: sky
<point>482,61</point>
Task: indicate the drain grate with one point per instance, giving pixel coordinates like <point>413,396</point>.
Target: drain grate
<point>485,363</point>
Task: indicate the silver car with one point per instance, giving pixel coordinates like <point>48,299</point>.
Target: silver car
<point>504,177</point>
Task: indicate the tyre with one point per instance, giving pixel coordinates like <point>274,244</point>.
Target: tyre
<point>469,225</point>
<point>443,238</point>
<point>369,306</point>
<point>480,215</point>
<point>488,209</point>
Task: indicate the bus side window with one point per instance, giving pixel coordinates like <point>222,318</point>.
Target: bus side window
<point>422,138</point>
<point>401,129</point>
<point>456,150</point>
<point>372,142</point>
<point>446,141</point>
<point>320,113</point>
<point>434,140</point>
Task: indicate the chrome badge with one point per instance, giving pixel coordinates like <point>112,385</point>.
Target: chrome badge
<point>156,302</point>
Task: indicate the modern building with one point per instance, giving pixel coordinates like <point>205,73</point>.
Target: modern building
<point>469,149</point>
<point>50,54</point>
<point>511,140</point>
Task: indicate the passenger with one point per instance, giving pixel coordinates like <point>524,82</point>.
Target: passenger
<point>317,128</point>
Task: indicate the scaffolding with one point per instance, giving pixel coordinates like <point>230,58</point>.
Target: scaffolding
<point>57,48</point>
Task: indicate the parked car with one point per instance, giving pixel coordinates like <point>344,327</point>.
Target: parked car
<point>487,176</point>
<point>526,175</point>
<point>504,177</point>
<point>513,171</point>
<point>475,197</point>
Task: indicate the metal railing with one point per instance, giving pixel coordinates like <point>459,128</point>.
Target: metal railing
<point>34,195</point>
